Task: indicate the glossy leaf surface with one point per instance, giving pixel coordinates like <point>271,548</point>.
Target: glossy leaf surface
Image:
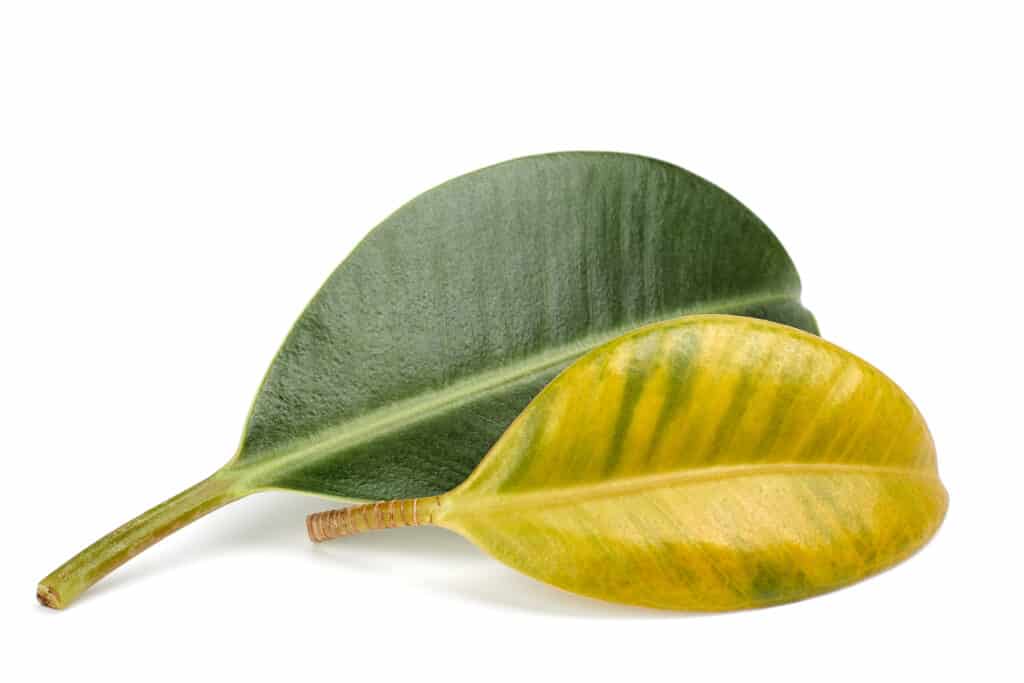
<point>446,320</point>
<point>712,463</point>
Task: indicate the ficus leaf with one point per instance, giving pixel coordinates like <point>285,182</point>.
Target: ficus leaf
<point>445,321</point>
<point>708,463</point>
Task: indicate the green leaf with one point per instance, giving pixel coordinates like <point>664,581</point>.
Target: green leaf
<point>439,328</point>
<point>709,463</point>
<point>453,313</point>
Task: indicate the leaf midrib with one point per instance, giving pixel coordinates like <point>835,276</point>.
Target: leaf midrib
<point>574,494</point>
<point>260,472</point>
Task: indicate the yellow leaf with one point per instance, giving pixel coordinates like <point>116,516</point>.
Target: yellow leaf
<point>707,463</point>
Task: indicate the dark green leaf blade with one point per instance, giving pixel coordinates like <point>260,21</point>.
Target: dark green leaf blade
<point>455,311</point>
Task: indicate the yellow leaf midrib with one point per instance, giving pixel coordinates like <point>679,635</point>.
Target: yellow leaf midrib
<point>467,502</point>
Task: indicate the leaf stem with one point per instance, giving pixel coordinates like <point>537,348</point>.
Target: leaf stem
<point>323,526</point>
<point>68,581</point>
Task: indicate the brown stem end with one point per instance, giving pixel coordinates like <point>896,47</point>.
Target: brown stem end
<point>48,597</point>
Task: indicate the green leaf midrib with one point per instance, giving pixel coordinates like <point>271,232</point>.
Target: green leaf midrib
<point>260,470</point>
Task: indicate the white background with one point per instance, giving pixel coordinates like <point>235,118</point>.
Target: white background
<point>176,180</point>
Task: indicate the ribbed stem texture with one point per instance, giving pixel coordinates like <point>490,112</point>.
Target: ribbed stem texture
<point>388,514</point>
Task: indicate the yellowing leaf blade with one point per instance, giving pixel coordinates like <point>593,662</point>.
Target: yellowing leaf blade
<point>713,546</point>
<point>709,463</point>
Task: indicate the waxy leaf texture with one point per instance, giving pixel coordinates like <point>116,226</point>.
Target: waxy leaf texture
<point>709,463</point>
